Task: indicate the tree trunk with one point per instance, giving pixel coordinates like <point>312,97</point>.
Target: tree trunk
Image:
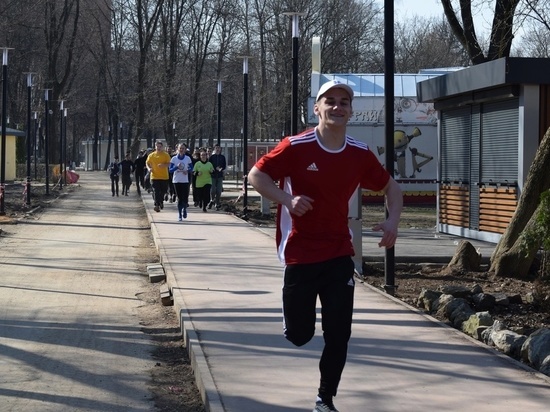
<point>514,261</point>
<point>502,33</point>
<point>508,259</point>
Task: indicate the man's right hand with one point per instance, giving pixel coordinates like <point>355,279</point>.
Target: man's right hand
<point>299,205</point>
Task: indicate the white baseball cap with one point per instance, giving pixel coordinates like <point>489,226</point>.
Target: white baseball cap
<point>334,84</point>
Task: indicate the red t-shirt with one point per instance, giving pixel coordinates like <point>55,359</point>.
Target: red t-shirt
<point>304,167</point>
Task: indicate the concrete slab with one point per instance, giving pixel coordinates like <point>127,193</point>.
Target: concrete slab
<point>226,283</point>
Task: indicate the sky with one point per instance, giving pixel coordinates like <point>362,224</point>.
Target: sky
<point>409,8</point>
<point>481,9</point>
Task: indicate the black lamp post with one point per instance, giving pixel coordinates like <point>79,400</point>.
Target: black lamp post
<point>389,121</point>
<point>29,138</point>
<point>219,112</point>
<point>121,143</point>
<point>61,144</point>
<point>35,144</point>
<point>47,138</point>
<point>64,151</point>
<point>245,135</point>
<point>4,122</point>
<point>295,47</point>
<point>98,143</point>
<point>74,151</point>
<point>108,153</point>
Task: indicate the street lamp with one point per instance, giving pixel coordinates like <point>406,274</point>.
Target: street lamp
<point>121,143</point>
<point>96,158</point>
<point>74,155</point>
<point>389,121</point>
<point>35,144</point>
<point>295,46</point>
<point>61,144</point>
<point>47,138</point>
<point>175,140</point>
<point>219,112</point>
<point>108,154</point>
<point>64,172</point>
<point>245,134</point>
<point>4,122</point>
<point>29,139</point>
<point>98,142</point>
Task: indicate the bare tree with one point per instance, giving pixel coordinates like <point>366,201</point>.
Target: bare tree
<point>44,36</point>
<point>112,60</point>
<point>199,36</point>
<point>262,13</point>
<point>349,31</point>
<point>145,20</point>
<point>60,31</point>
<point>157,62</point>
<point>54,40</point>
<point>535,41</point>
<point>423,43</point>
<point>171,22</point>
<point>21,22</point>
<point>464,29</point>
<point>351,34</point>
<point>90,78</point>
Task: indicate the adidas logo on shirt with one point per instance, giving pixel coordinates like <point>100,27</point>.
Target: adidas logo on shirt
<point>312,167</point>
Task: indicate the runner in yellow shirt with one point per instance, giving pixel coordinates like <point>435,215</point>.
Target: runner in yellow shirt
<point>158,163</point>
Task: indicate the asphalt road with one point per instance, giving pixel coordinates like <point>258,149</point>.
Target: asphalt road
<point>70,338</point>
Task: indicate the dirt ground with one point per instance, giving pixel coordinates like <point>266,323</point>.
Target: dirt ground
<point>410,279</point>
<point>172,381</point>
<point>523,318</point>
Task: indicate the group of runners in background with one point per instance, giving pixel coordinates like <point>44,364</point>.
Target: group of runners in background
<point>170,176</point>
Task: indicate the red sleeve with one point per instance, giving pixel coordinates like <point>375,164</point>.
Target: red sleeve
<point>375,177</point>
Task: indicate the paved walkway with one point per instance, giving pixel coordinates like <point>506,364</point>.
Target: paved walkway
<point>226,283</point>
<point>70,311</point>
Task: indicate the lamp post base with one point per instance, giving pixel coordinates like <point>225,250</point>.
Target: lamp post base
<point>390,289</point>
<point>28,192</point>
<point>2,194</point>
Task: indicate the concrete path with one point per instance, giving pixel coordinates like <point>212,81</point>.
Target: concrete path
<point>226,283</point>
<point>70,338</point>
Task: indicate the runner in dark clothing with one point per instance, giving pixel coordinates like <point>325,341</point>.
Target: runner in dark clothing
<point>139,171</point>
<point>126,170</point>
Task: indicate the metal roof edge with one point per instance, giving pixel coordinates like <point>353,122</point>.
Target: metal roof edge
<point>495,73</point>
<point>14,132</point>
